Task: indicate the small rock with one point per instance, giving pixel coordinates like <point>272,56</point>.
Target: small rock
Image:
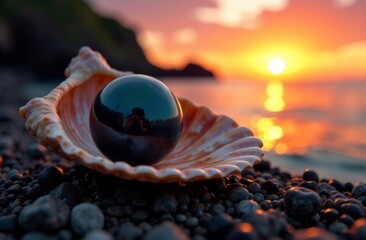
<point>38,236</point>
<point>246,207</point>
<point>139,216</point>
<point>238,194</point>
<point>14,189</point>
<point>353,210</point>
<point>338,228</point>
<point>165,204</point>
<point>86,217</point>
<point>50,176</point>
<point>46,213</point>
<point>217,208</point>
<point>359,191</point>
<point>166,231</point>
<point>192,222</point>
<point>314,233</point>
<point>218,226</point>
<point>115,211</point>
<point>8,223</point>
<point>310,175</point>
<point>129,231</point>
<point>358,230</point>
<point>180,218</point>
<point>242,231</point>
<point>67,192</point>
<point>329,215</point>
<point>98,235</point>
<point>254,188</point>
<point>64,235</point>
<point>301,202</point>
<point>271,187</point>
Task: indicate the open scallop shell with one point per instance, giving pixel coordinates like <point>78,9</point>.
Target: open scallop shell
<point>210,146</point>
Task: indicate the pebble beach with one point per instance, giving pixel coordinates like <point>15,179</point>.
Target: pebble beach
<point>43,196</point>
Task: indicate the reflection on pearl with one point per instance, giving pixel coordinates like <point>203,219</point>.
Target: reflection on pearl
<point>136,119</point>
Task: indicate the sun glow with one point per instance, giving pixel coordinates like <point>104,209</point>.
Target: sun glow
<point>276,65</point>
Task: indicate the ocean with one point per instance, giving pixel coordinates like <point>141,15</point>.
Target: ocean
<point>319,126</point>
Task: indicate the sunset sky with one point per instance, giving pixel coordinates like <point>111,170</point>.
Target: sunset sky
<point>319,40</point>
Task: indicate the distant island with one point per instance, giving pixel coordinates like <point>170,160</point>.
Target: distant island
<point>41,37</point>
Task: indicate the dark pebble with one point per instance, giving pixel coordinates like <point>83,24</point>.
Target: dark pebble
<point>165,204</point>
<point>166,231</point>
<point>14,189</point>
<point>271,187</point>
<point>301,202</point>
<point>312,185</point>
<point>338,228</point>
<point>353,210</point>
<point>310,175</point>
<point>192,222</point>
<point>8,223</point>
<point>46,213</point>
<point>98,235</point>
<point>219,225</point>
<point>359,191</point>
<point>139,216</point>
<point>346,219</point>
<point>242,231</point>
<point>254,188</point>
<point>314,233</point>
<point>67,192</point>
<point>38,236</point>
<point>238,194</point>
<point>51,176</point>
<point>329,215</point>
<point>86,217</point>
<point>129,231</point>
<point>358,230</point>
<point>115,211</point>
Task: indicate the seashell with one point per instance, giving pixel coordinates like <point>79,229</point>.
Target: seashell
<point>210,146</point>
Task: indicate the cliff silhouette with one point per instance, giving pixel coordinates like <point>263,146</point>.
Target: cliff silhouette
<point>41,37</point>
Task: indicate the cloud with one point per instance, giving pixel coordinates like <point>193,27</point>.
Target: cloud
<point>184,36</point>
<point>238,13</point>
<point>344,3</point>
<point>151,38</point>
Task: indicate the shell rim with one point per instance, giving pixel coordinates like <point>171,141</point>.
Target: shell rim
<point>42,121</point>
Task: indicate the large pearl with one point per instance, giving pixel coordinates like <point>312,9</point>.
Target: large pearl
<point>136,119</point>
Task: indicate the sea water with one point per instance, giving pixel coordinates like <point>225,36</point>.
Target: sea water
<point>321,126</point>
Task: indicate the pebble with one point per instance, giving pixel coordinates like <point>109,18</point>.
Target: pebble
<point>238,194</point>
<point>242,231</point>
<point>67,192</point>
<point>246,207</point>
<point>8,223</point>
<point>358,229</point>
<point>359,191</point>
<point>165,204</point>
<point>271,187</point>
<point>301,202</point>
<point>129,231</point>
<point>86,217</point>
<point>46,213</point>
<point>139,216</point>
<point>38,236</point>
<point>254,188</point>
<point>218,226</point>
<point>166,231</point>
<point>98,235</point>
<point>313,233</point>
<point>51,176</point>
<point>115,211</point>
<point>353,210</point>
<point>310,175</point>
<point>192,222</point>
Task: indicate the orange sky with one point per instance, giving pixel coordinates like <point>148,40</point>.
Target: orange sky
<point>319,39</point>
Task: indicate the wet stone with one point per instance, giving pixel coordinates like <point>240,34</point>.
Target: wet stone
<point>50,176</point>
<point>302,202</point>
<point>238,194</point>
<point>329,215</point>
<point>310,175</point>
<point>46,213</point>
<point>165,204</point>
<point>246,207</point>
<point>359,191</point>
<point>86,217</point>
<point>98,235</point>
<point>166,231</point>
<point>353,210</point>
<point>67,192</point>
<point>8,223</point>
<point>271,187</point>
<point>129,231</point>
<point>254,188</point>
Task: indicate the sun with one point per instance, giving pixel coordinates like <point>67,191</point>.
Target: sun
<point>276,65</point>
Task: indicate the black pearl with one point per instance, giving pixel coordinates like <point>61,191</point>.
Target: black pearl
<point>136,119</point>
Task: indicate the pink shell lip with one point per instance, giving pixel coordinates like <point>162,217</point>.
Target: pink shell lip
<point>211,146</point>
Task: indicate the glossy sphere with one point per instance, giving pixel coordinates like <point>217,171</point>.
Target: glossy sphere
<point>136,119</point>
